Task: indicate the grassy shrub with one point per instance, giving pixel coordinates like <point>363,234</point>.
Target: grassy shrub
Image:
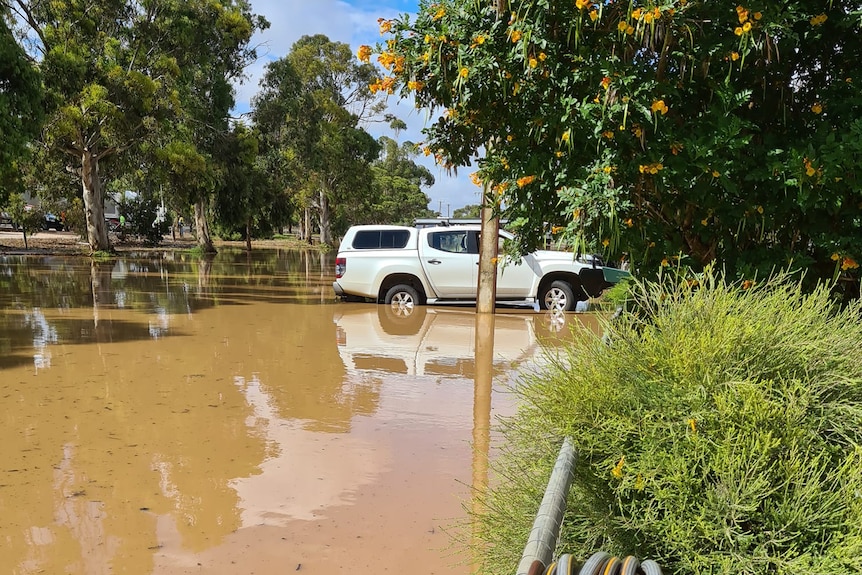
<point>719,432</point>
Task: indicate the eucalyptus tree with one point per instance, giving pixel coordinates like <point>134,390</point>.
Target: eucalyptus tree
<point>21,102</point>
<point>324,103</point>
<point>397,182</point>
<point>121,74</point>
<point>210,41</point>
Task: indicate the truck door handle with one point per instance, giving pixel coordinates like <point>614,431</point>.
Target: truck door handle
<point>435,262</point>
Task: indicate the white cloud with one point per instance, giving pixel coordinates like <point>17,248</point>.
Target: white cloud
<point>354,23</point>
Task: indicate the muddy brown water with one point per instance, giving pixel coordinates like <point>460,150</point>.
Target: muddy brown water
<point>163,414</point>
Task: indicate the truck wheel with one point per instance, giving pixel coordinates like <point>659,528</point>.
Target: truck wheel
<point>558,296</point>
<point>402,296</point>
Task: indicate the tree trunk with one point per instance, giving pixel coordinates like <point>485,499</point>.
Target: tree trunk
<point>94,208</point>
<point>248,234</point>
<point>306,232</point>
<point>202,228</point>
<point>325,219</point>
<point>487,285</point>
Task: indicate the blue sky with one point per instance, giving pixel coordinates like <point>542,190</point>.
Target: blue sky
<point>353,22</point>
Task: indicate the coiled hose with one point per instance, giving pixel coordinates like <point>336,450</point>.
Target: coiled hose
<point>600,563</point>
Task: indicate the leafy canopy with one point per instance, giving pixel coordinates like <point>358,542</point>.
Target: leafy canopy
<point>715,130</point>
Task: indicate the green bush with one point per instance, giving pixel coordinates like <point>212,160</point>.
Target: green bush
<point>718,432</point>
<point>142,220</point>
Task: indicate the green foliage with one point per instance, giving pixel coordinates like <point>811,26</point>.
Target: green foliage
<point>142,219</point>
<point>21,113</point>
<point>720,431</point>
<point>28,218</point>
<point>720,130</point>
<point>395,195</point>
<point>471,211</point>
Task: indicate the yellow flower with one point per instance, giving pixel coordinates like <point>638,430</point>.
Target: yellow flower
<point>543,56</point>
<point>516,35</point>
<point>385,26</point>
<point>622,26</point>
<point>607,169</point>
<point>581,4</point>
<point>630,30</point>
<point>737,31</point>
<point>464,72</point>
<point>639,483</point>
<point>426,151</point>
<point>415,85</point>
<point>364,53</point>
<point>659,106</point>
<point>743,14</point>
<point>617,471</point>
<point>629,223</point>
<point>759,209</point>
<point>734,56</point>
<point>848,263</point>
<point>747,284</point>
<point>558,153</point>
<point>704,222</point>
<point>758,15</point>
<point>816,108</point>
<point>577,213</point>
<point>474,177</point>
<point>818,20</point>
<point>606,242</point>
<point>746,27</point>
<point>510,137</point>
<point>715,173</point>
<point>533,62</point>
<point>636,14</point>
<point>525,181</point>
<point>664,263</point>
<point>439,13</point>
<point>608,134</point>
<point>835,257</point>
<point>692,424</point>
<point>479,40</point>
<point>565,137</point>
<point>594,15</point>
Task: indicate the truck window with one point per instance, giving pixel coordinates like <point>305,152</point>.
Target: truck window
<point>380,239</point>
<point>454,241</point>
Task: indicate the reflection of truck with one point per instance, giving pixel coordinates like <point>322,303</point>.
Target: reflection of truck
<point>433,342</point>
<point>408,266</point>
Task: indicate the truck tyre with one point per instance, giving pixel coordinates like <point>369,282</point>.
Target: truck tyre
<point>558,296</point>
<point>402,295</point>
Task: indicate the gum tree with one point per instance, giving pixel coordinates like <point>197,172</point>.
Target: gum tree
<point>709,130</point>
<point>120,74</point>
<point>20,107</point>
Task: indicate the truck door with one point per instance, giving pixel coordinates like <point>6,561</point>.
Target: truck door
<point>449,265</point>
<point>515,276</point>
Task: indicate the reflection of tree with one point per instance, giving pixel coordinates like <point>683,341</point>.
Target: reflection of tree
<point>113,443</point>
<point>483,382</point>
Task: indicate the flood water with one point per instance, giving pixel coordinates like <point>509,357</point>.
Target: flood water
<point>163,414</point>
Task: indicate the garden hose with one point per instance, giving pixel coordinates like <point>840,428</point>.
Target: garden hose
<point>599,563</point>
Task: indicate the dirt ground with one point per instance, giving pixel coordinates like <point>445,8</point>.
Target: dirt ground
<point>68,243</point>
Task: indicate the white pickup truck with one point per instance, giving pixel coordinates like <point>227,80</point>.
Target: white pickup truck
<point>408,266</point>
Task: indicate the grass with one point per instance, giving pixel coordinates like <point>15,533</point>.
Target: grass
<point>720,432</point>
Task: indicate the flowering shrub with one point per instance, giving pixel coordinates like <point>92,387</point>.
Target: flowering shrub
<point>666,113</point>
<point>719,432</point>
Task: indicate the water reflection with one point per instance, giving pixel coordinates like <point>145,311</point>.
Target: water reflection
<point>172,413</point>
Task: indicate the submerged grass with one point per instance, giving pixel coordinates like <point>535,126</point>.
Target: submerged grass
<point>720,431</point>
